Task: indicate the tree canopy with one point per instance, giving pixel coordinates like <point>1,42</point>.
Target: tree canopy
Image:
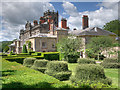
<point>99,44</point>
<point>113,26</point>
<point>69,46</point>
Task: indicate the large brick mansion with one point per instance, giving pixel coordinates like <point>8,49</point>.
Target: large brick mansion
<point>44,34</point>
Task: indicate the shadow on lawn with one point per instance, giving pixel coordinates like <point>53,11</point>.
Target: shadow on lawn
<point>38,85</point>
<point>8,72</point>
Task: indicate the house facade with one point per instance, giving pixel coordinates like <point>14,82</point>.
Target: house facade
<point>45,34</point>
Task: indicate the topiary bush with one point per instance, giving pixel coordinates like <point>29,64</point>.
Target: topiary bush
<point>28,62</point>
<point>24,49</point>
<point>110,63</point>
<point>90,72</point>
<point>58,69</point>
<point>40,65</point>
<point>86,61</point>
<point>72,58</point>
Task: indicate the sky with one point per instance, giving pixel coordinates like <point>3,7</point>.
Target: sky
<point>13,15</point>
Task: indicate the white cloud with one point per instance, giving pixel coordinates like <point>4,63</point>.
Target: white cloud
<point>107,12</point>
<point>70,9</point>
<point>15,15</point>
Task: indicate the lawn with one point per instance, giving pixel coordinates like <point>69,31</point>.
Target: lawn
<point>111,73</point>
<point>15,75</point>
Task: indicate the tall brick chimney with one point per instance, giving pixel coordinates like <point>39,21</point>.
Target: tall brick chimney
<point>42,20</point>
<point>85,22</point>
<point>35,22</point>
<point>64,23</point>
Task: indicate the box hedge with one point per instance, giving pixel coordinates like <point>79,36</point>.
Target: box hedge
<point>86,61</point>
<point>90,72</point>
<point>40,65</point>
<point>59,75</point>
<point>72,58</point>
<point>58,69</point>
<point>28,62</point>
<point>51,56</point>
<point>110,63</point>
<point>15,59</point>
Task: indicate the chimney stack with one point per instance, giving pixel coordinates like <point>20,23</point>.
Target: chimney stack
<point>35,22</point>
<point>85,21</point>
<point>42,20</point>
<point>64,23</point>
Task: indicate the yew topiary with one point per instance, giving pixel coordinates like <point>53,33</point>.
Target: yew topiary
<point>40,65</point>
<point>28,62</point>
<point>92,72</point>
<point>58,69</point>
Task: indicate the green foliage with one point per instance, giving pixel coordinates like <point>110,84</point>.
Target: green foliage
<point>3,45</point>
<point>6,49</point>
<point>69,47</point>
<point>92,85</point>
<point>3,54</point>
<point>16,59</point>
<point>40,65</point>
<point>58,69</point>
<point>24,50</point>
<point>59,75</point>
<point>90,72</point>
<point>57,66</point>
<point>14,75</point>
<point>86,61</point>
<point>110,63</point>
<point>99,44</point>
<point>51,56</point>
<point>113,26</point>
<point>28,62</point>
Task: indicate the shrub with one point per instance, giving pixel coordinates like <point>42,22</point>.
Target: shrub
<point>86,61</point>
<point>58,69</point>
<point>90,72</point>
<point>51,55</point>
<point>72,58</point>
<point>16,59</point>
<point>23,54</point>
<point>59,75</point>
<point>24,50</point>
<point>92,85</point>
<point>3,54</point>
<point>57,66</point>
<point>40,65</point>
<point>36,53</point>
<point>28,62</point>
<point>110,63</point>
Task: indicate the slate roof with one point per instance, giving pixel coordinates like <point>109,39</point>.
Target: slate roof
<point>93,31</point>
<point>44,35</point>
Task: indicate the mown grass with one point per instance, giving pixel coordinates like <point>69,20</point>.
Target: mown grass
<point>111,73</point>
<point>15,75</point>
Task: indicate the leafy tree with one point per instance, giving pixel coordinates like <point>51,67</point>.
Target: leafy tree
<point>3,44</point>
<point>113,26</point>
<point>69,47</point>
<point>24,50</point>
<point>6,49</point>
<point>99,44</point>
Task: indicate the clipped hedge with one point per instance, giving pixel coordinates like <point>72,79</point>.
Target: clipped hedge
<point>110,63</point>
<point>72,58</point>
<point>28,62</point>
<point>40,65</point>
<point>16,59</point>
<point>51,55</point>
<point>58,69</point>
<point>59,75</point>
<point>57,66</point>
<point>86,61</point>
<point>90,72</point>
